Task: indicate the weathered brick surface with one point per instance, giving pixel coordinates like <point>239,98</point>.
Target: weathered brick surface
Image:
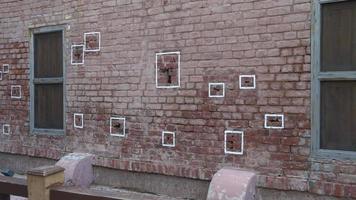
<point>219,40</point>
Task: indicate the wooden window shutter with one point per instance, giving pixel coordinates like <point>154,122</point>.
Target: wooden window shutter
<point>48,81</point>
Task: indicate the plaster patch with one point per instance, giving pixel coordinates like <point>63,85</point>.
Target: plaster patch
<point>234,142</point>
<point>78,120</point>
<point>117,126</point>
<point>216,90</point>
<point>247,82</point>
<point>92,41</point>
<point>16,92</point>
<point>168,139</point>
<point>274,121</point>
<point>77,54</point>
<point>5,68</point>
<point>168,70</point>
<point>6,129</point>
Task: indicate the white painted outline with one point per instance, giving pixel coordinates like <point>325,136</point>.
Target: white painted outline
<point>8,128</point>
<point>216,96</point>
<point>170,86</point>
<point>1,73</point>
<point>274,115</point>
<point>242,142</point>
<point>71,54</point>
<point>4,66</point>
<point>82,120</point>
<point>12,92</point>
<point>118,118</point>
<point>247,76</point>
<point>174,139</point>
<point>85,41</point>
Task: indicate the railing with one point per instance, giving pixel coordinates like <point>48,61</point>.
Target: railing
<point>67,193</point>
<point>12,186</point>
<point>18,187</point>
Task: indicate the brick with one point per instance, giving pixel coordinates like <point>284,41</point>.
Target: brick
<point>218,42</point>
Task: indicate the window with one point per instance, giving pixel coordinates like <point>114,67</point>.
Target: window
<point>334,79</point>
<point>47,105</point>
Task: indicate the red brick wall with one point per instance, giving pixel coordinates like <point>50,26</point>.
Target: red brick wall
<point>219,40</point>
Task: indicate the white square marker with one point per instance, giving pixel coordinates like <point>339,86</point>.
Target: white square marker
<point>92,41</point>
<point>77,55</point>
<point>274,121</point>
<point>168,139</point>
<point>6,129</point>
<point>165,69</point>
<point>5,68</point>
<point>78,120</point>
<point>16,92</point>
<point>217,90</point>
<point>117,126</point>
<point>234,142</point>
<point>247,82</point>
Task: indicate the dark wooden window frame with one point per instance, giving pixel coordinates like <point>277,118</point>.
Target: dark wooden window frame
<point>33,80</point>
<point>317,77</point>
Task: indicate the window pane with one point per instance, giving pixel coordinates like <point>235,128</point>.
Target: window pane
<point>338,42</point>
<point>338,115</point>
<point>49,106</point>
<point>48,55</point>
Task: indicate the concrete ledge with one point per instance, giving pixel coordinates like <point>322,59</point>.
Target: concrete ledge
<point>269,194</point>
<point>172,186</point>
<point>22,163</point>
<point>233,184</point>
